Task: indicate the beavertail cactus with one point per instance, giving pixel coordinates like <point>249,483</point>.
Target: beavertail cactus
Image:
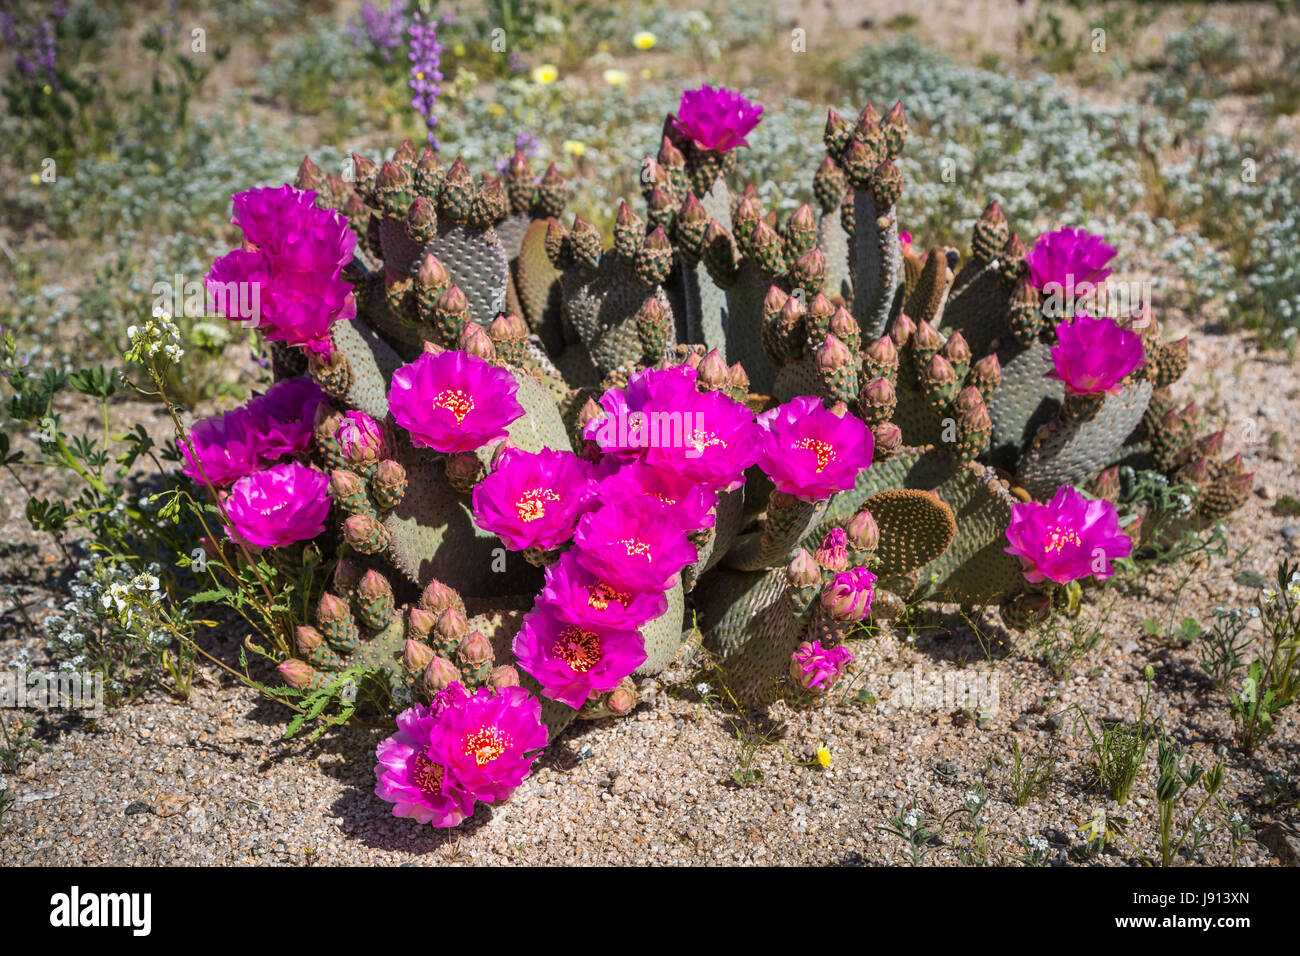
<point>525,447</point>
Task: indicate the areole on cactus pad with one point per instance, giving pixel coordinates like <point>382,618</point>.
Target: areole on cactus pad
<point>533,459</point>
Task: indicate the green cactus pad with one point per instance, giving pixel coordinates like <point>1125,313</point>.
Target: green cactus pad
<point>434,536</point>
<point>975,569</point>
<point>915,528</point>
<point>876,262</point>
<point>372,362</point>
<point>1024,401</point>
<point>750,630</point>
<point>663,635</point>
<point>537,284</point>
<point>1070,450</point>
<point>602,304</point>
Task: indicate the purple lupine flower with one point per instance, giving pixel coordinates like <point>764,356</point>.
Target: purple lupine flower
<point>425,76</point>
<point>381,29</point>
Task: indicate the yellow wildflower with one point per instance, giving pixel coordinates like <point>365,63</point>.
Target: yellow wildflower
<point>496,109</point>
<point>823,756</point>
<point>644,40</point>
<point>575,147</point>
<point>458,49</point>
<point>545,74</point>
<point>34,179</point>
<point>615,77</point>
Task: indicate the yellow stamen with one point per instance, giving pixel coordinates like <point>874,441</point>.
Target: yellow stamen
<point>578,648</point>
<point>532,504</point>
<point>484,745</point>
<point>455,401</point>
<point>824,450</point>
<point>1060,536</point>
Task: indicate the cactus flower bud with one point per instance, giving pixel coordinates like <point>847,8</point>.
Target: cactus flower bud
<point>475,648</point>
<point>419,623</point>
<point>848,596</point>
<point>713,371</point>
<point>902,330</point>
<point>833,354</point>
<point>437,597</point>
<point>452,625</point>
<point>503,676</point>
<point>416,657</point>
<point>361,438</point>
<point>803,571</point>
<point>297,674</point>
<point>833,555</point>
<point>862,532</point>
<point>439,673</point>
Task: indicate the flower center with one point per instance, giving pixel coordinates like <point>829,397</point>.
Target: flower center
<point>599,596</point>
<point>484,745</point>
<point>578,648</point>
<point>637,548</point>
<point>532,504</point>
<point>427,775</point>
<point>700,440</point>
<point>824,450</point>
<point>1060,536</point>
<point>278,506</point>
<point>455,401</point>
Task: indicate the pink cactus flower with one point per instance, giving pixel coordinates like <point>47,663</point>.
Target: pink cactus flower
<point>1069,258</point>
<point>1094,355</point>
<point>286,279</point>
<point>360,437</point>
<point>681,499</point>
<point>487,742</point>
<point>628,544</point>
<point>226,447</point>
<point>416,784</point>
<point>278,506</point>
<point>815,668</point>
<point>810,452</point>
<point>285,415</point>
<point>453,401</point>
<point>848,597</point>
<point>716,119</point>
<point>534,500</point>
<point>647,412</point>
<point>1069,537</point>
<point>572,662</point>
<point>577,596</point>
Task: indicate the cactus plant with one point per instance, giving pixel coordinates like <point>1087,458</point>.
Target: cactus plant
<point>505,373</point>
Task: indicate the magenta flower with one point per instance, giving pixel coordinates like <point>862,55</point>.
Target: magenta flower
<point>453,401</point>
<point>661,418</point>
<point>534,500</point>
<point>681,499</point>
<point>648,412</point>
<point>1069,258</point>
<point>810,452</point>
<point>285,415</point>
<point>628,544</point>
<point>848,596</point>
<point>486,743</point>
<point>407,777</point>
<point>360,437</point>
<point>1069,537</point>
<point>1094,355</point>
<point>225,448</point>
<point>572,662</point>
<point>716,119</point>
<point>287,278</point>
<point>577,596</point>
<point>278,506</point>
<point>814,667</point>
